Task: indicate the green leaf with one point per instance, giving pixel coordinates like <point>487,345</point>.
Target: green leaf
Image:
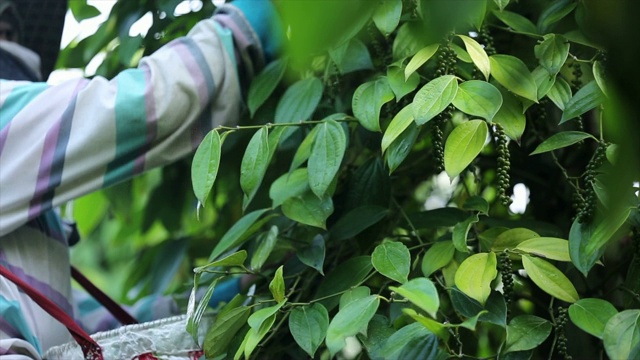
<point>299,101</point>
<point>476,203</point>
<point>526,332</point>
<point>587,241</point>
<point>501,4</point>
<point>476,97</point>
<point>422,293</point>
<point>235,259</point>
<point>308,209</point>
<point>368,100</point>
<point>276,286</point>
<point>353,294</point>
<point>556,11</point>
<point>468,307</point>
<point>82,11</point>
<point>461,53</point>
<point>463,145</point>
<point>549,279</point>
<point>387,16</point>
<point>433,326</point>
<point>263,85</point>
<point>205,165</point>
<point>256,334</point>
<point>288,186</point>
<point>511,238</point>
<point>308,326</point>
<point>516,22</point>
<point>622,335</point>
<point>443,217</point>
<point>421,57</point>
<point>404,338</point>
<point>460,232</point>
<point>552,52</point>
<point>194,313</point>
<point>560,93</point>
<point>561,140</point>
<point>438,256</point>
<point>349,321</point>
<point>592,315</point>
<point>355,57</point>
<point>238,233</point>
<point>511,116</point>
<point>345,276</point>
<point>400,148</point>
<point>475,274</point>
<point>599,76</point>
<point>313,255</point>
<point>513,74</point>
<point>399,85</point>
<point>409,39</point>
<point>392,259</point>
<point>326,156</point>
<point>254,165</point>
<point>478,55</point>
<point>224,330</point>
<point>434,97</point>
<point>397,126</point>
<point>544,81</point>
<point>304,150</point>
<point>266,242</point>
<point>356,221</point>
<point>547,247</point>
<point>588,97</point>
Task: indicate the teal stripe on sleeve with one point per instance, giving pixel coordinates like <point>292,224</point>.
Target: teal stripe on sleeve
<point>11,313</point>
<point>131,125</point>
<point>19,97</point>
<point>226,36</point>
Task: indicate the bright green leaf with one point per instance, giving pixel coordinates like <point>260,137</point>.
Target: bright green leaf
<point>392,259</point>
<point>224,330</point>
<point>588,97</point>
<point>205,165</point>
<point>552,52</point>
<point>476,97</point>
<point>463,145</point>
<point>544,81</point>
<point>266,243</point>
<point>461,53</point>
<point>399,85</point>
<point>432,325</point>
<point>353,294</point>
<point>560,93</point>
<point>475,274</point>
<point>289,185</point>
<point>239,232</point>
<point>547,247</point>
<point>478,55</point>
<point>419,59</point>
<point>304,149</point>
<point>400,148</point>
<point>549,279</point>
<point>512,73</point>
<point>308,325</point>
<point>526,332</point>
<point>308,209</point>
<point>561,140</point>
<point>511,238</point>
<point>194,313</point>
<point>397,126</point>
<point>255,335</point>
<point>276,286</point>
<point>349,321</point>
<point>422,293</point>
<point>592,315</point>
<point>235,259</point>
<point>368,100</point>
<point>263,85</point>
<point>299,101</point>
<point>460,232</point>
<point>326,156</point>
<point>254,165</point>
<point>511,116</point>
<point>434,97</point>
<point>438,256</point>
<point>387,16</point>
<point>622,335</point>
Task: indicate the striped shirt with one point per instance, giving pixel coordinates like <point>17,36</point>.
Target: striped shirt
<point>60,142</point>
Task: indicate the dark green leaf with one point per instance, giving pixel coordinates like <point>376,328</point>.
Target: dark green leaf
<point>475,274</point>
<point>356,57</point>
<point>392,259</point>
<point>554,13</point>
<point>422,293</point>
<point>552,52</point>
<point>263,85</point>
<point>353,294</point>
<point>239,232</point>
<point>356,221</point>
<point>256,334</point>
<point>313,255</point>
<point>224,330</point>
<point>254,165</point>
<point>526,332</point>
<point>326,156</point>
<point>438,256</point>
<point>235,259</point>
<point>399,86</point>
<point>378,331</point>
<point>560,93</point>
<point>561,140</point>
<point>592,315</point>
<point>516,22</point>
<point>368,100</point>
<point>299,101</point>
<point>349,321</point>
<point>477,203</point>
<point>308,325</point>
<point>468,307</point>
<point>622,335</point>
<point>400,148</point>
<point>549,279</point>
<point>397,126</point>
<point>387,16</point>
<point>266,242</point>
<point>82,11</point>
<point>512,73</point>
<point>205,165</point>
<point>348,274</point>
<point>587,98</point>
<point>444,217</point>
<point>476,97</point>
<point>599,76</point>
<point>543,80</point>
<point>398,341</point>
<point>434,97</point>
<point>463,145</point>
<point>408,40</point>
<point>289,185</point>
<point>308,209</point>
<point>460,232</point>
<point>304,149</point>
<point>501,4</point>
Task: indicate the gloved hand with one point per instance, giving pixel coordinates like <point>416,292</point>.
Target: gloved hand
<point>264,20</point>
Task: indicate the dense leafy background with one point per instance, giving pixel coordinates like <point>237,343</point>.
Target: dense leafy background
<point>325,192</point>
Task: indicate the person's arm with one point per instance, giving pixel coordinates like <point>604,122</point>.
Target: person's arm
<point>60,142</point>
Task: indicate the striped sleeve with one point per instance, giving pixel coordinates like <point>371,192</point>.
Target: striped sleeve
<point>60,142</point>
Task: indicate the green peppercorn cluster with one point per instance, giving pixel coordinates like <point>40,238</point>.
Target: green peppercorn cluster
<point>506,274</point>
<point>485,38</point>
<point>561,321</point>
<point>437,137</point>
<point>447,60</point>
<point>588,194</point>
<point>504,164</point>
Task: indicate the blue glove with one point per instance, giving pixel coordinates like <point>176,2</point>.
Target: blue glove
<point>265,21</point>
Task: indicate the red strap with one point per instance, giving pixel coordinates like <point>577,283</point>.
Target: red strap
<point>90,348</point>
<point>116,310</point>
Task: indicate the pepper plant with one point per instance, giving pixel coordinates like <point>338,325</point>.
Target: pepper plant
<point>369,190</point>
